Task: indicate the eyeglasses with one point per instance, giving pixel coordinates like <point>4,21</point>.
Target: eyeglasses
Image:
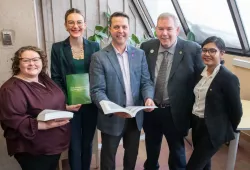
<point>72,23</point>
<point>211,51</point>
<point>28,60</point>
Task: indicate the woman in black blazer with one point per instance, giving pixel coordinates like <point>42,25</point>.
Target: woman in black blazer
<point>72,56</point>
<point>217,109</point>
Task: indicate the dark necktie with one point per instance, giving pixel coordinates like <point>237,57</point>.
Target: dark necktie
<point>161,79</point>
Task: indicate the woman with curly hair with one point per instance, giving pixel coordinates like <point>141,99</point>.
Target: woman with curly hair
<point>35,145</point>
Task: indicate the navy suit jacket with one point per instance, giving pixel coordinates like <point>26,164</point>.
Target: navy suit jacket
<point>106,83</point>
<point>185,67</point>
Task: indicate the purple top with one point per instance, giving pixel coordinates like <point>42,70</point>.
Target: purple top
<point>20,103</point>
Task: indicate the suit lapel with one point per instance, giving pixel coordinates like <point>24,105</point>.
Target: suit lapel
<point>67,55</point>
<point>87,53</point>
<point>216,80</point>
<point>115,63</point>
<point>152,55</point>
<point>178,55</point>
<point>132,65</point>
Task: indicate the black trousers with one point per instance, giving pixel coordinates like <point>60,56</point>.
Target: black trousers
<point>83,126</point>
<point>131,139</point>
<point>38,162</point>
<point>203,147</point>
<point>156,124</point>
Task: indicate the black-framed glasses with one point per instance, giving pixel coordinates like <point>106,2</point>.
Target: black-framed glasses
<point>28,60</point>
<point>211,51</point>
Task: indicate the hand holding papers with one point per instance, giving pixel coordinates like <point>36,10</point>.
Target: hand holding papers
<point>110,107</point>
<point>47,115</point>
<point>149,102</point>
<point>52,124</point>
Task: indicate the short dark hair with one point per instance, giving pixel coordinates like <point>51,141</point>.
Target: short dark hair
<point>71,11</point>
<point>220,44</point>
<point>18,53</point>
<point>118,14</point>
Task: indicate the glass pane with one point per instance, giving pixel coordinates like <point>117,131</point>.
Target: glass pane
<point>244,6</point>
<point>156,7</point>
<point>207,18</point>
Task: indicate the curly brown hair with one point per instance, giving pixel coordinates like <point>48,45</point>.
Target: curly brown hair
<point>16,59</point>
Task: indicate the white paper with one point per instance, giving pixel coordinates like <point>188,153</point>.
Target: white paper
<point>110,107</point>
<point>48,114</point>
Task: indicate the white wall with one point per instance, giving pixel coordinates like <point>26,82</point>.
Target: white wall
<point>19,17</point>
<point>16,15</point>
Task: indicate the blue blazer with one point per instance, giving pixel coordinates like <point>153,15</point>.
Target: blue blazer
<point>106,83</point>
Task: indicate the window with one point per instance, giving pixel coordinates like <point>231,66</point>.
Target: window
<point>244,6</point>
<point>156,7</point>
<point>208,18</point>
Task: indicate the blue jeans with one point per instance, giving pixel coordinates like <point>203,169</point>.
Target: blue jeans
<point>83,127</point>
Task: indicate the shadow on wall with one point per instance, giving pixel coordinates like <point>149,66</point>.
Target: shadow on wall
<point>6,162</point>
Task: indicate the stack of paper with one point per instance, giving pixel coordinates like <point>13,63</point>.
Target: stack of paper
<point>47,114</point>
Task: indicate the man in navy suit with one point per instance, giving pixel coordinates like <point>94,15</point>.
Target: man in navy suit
<point>173,64</point>
<point>119,73</point>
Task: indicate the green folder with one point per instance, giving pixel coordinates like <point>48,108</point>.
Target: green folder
<point>78,88</point>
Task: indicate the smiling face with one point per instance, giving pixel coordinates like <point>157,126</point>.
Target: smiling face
<point>119,30</point>
<point>75,25</point>
<point>167,31</point>
<point>211,54</point>
<point>30,64</point>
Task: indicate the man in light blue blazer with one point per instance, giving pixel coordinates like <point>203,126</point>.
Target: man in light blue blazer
<point>119,73</point>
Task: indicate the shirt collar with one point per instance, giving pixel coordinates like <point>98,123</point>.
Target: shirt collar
<point>171,49</point>
<point>216,70</point>
<point>117,52</point>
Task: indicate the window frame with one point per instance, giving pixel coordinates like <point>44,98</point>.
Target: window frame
<point>145,16</point>
<point>235,14</point>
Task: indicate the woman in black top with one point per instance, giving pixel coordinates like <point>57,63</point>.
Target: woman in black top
<point>217,109</point>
